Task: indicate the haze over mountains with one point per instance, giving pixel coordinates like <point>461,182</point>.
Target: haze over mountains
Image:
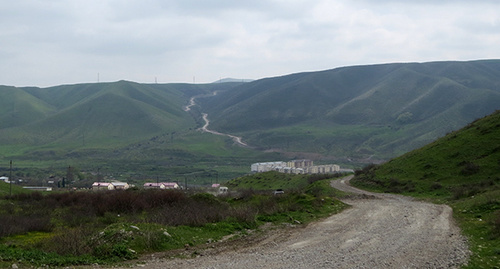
<point>362,111</point>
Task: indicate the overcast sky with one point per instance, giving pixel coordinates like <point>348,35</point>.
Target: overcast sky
<point>51,42</point>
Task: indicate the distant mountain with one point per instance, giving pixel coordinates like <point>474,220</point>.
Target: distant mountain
<point>360,112</point>
<point>385,109</point>
<point>102,113</point>
<point>225,80</point>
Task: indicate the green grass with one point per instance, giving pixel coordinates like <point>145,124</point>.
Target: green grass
<point>6,189</point>
<point>269,181</point>
<point>82,228</point>
<point>405,105</point>
<point>462,170</point>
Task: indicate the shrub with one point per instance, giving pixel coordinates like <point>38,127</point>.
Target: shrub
<point>469,169</point>
<point>436,186</point>
<point>19,224</point>
<point>316,177</point>
<point>191,212</point>
<point>69,242</point>
<point>368,170</point>
<point>496,223</point>
<point>464,191</point>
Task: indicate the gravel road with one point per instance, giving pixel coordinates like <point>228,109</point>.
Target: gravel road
<point>378,231</point>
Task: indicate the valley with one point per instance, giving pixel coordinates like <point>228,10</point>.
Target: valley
<point>351,116</point>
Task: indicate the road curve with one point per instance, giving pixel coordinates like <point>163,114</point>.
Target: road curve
<point>238,140</point>
<point>378,231</point>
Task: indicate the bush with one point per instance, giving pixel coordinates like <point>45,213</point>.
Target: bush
<point>436,186</point>
<point>368,171</point>
<point>69,242</point>
<point>496,223</point>
<point>464,191</point>
<point>469,169</point>
<point>20,224</point>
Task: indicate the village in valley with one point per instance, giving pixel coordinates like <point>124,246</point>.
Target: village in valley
<point>295,167</point>
<point>303,166</point>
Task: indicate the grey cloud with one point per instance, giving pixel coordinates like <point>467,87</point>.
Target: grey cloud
<point>174,40</point>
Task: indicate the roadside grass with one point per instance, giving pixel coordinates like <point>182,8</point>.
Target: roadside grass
<point>5,189</point>
<point>82,228</point>
<point>271,180</point>
<point>461,170</point>
<point>476,207</point>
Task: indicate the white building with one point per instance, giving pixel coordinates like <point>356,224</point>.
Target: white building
<point>161,185</point>
<point>295,167</point>
<point>102,186</point>
<point>268,166</point>
<point>110,186</point>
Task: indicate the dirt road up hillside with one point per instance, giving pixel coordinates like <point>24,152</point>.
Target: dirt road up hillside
<point>378,231</point>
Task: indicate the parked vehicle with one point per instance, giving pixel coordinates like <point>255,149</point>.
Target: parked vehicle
<point>278,191</point>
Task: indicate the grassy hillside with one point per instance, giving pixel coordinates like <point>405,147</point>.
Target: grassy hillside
<point>18,107</point>
<point>119,111</point>
<point>391,108</point>
<point>6,189</point>
<point>461,169</point>
<point>269,181</point>
<point>349,114</point>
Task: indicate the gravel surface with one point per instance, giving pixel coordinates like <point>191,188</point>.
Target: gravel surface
<point>378,231</point>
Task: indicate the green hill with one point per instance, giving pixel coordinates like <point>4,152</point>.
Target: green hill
<point>349,115</point>
<point>6,189</point>
<point>128,129</point>
<point>382,110</point>
<point>17,107</point>
<point>98,114</point>
<point>461,169</point>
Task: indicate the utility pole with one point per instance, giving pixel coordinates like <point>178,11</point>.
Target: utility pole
<point>10,179</point>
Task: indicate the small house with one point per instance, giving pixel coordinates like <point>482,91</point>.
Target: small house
<point>150,185</point>
<point>161,185</point>
<point>120,185</point>
<point>38,188</point>
<point>102,186</point>
<point>223,190</point>
<point>170,185</point>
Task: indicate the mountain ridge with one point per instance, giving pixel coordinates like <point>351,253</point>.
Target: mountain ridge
<point>436,97</point>
<point>366,111</point>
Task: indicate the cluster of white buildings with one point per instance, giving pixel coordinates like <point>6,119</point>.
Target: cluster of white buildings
<point>123,185</point>
<point>295,167</point>
<point>110,186</point>
<point>161,185</point>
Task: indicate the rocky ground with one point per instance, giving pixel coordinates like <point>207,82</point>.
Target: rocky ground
<point>378,231</point>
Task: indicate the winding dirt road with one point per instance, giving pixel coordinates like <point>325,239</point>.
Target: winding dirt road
<point>204,128</point>
<point>378,231</point>
<point>236,139</point>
